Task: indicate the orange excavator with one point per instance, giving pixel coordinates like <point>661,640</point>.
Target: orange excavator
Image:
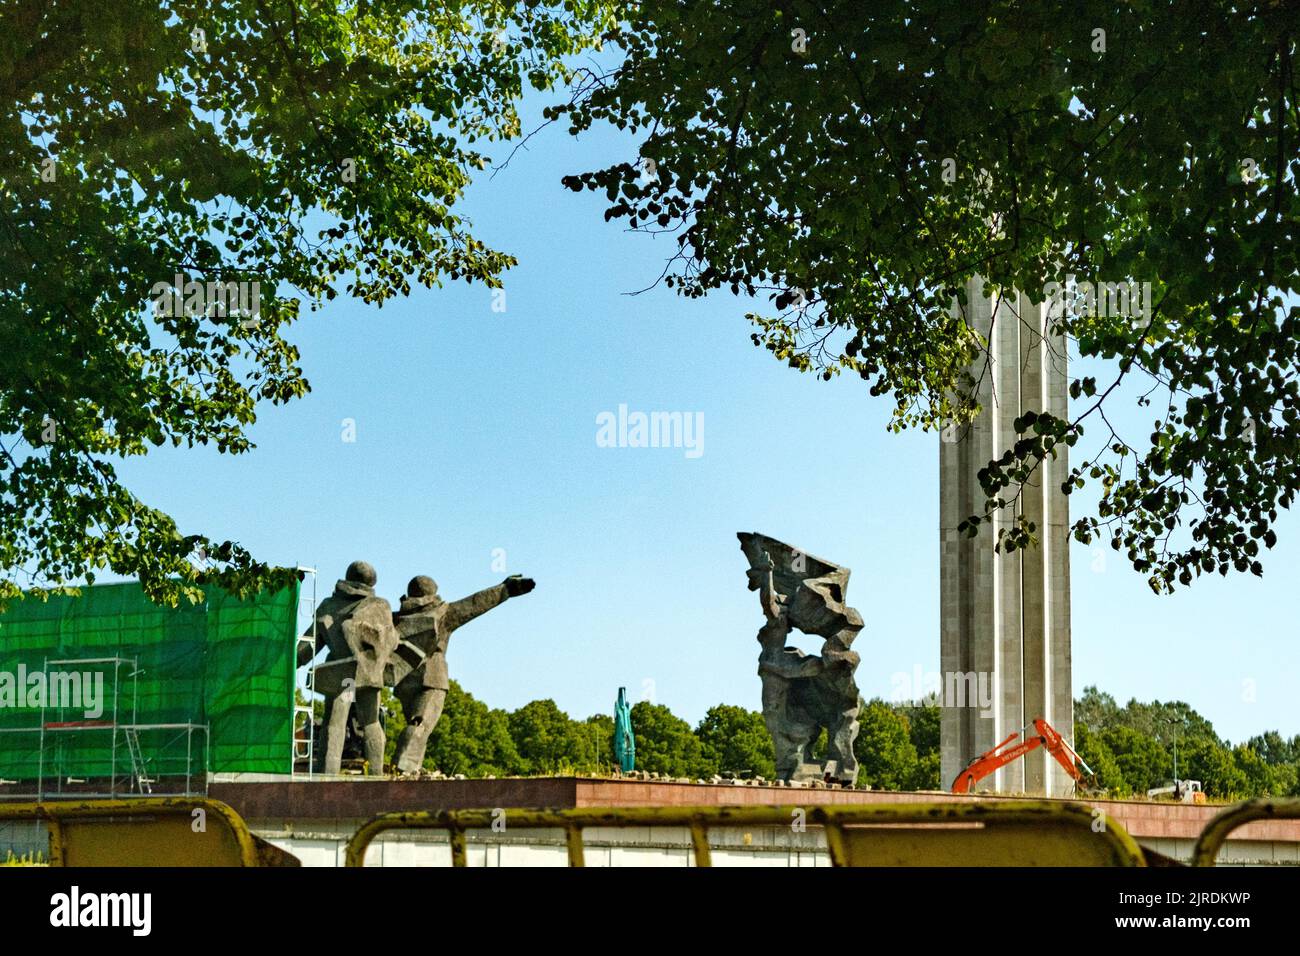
<point>1001,755</point>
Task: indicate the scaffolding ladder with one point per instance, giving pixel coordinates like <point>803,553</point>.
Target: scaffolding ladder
<point>143,783</point>
<point>304,747</point>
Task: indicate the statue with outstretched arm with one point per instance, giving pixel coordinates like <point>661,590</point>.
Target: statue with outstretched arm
<point>425,624</point>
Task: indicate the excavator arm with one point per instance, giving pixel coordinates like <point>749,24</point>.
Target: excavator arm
<point>1001,755</point>
<point>991,760</point>
<point>1065,754</point>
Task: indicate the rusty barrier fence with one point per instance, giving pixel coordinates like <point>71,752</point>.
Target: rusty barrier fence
<point>1010,833</point>
<point>1212,838</point>
<point>167,832</point>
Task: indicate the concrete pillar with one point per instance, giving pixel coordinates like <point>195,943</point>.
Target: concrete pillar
<point>1061,688</point>
<point>1005,618</point>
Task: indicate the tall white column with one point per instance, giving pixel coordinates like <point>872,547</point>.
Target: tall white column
<point>1005,618</point>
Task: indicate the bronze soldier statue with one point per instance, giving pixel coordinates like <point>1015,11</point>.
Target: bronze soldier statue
<point>832,698</point>
<point>357,627</point>
<point>803,693</point>
<point>781,669</point>
<point>425,623</point>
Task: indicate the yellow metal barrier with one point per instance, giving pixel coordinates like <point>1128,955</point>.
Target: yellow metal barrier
<point>1002,833</point>
<point>179,831</point>
<point>1206,851</point>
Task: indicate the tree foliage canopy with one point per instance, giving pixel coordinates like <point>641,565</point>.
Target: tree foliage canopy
<point>1131,750</point>
<point>736,739</point>
<point>665,744</point>
<point>887,758</point>
<point>300,148</point>
<point>858,163</point>
<point>470,738</point>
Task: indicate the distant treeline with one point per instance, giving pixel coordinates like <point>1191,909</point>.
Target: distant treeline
<point>1130,748</point>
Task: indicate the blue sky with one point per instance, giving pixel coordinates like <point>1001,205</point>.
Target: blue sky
<point>476,431</point>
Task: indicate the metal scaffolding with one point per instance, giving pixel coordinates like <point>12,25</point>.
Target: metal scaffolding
<point>304,714</point>
<point>155,759</point>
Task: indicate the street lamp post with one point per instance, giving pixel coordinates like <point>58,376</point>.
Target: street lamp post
<point>1177,784</point>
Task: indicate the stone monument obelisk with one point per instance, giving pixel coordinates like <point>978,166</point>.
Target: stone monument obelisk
<point>1005,618</point>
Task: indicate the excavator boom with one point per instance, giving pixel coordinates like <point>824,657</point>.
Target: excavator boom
<point>1005,752</point>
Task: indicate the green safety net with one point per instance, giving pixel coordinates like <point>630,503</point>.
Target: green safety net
<point>226,664</point>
